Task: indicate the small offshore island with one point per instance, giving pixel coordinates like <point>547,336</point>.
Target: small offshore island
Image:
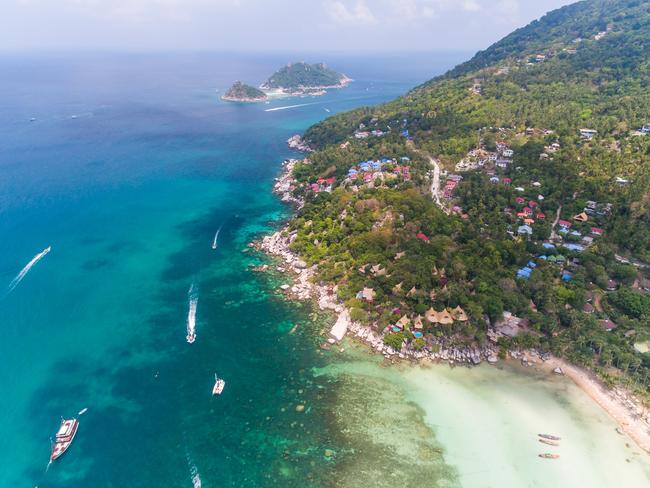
<point>295,79</point>
<point>241,92</point>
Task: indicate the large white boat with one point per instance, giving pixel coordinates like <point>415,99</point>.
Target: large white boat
<point>219,385</point>
<point>64,437</point>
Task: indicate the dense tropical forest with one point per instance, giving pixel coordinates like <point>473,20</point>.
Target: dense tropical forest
<point>515,188</point>
<point>296,76</point>
<point>241,92</point>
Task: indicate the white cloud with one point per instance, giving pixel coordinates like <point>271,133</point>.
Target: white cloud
<point>471,6</point>
<point>358,13</point>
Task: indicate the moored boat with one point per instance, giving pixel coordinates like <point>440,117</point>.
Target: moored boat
<point>550,443</point>
<point>64,437</point>
<point>219,385</point>
<point>550,437</point>
<point>548,455</point>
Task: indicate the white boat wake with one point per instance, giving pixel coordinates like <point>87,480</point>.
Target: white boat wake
<point>23,272</point>
<point>196,479</point>
<point>286,107</point>
<point>216,236</point>
<point>191,314</point>
<point>194,472</point>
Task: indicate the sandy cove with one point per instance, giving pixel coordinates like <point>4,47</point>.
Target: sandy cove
<point>633,419</point>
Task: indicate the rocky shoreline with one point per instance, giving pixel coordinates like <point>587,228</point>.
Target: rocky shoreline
<point>304,288</point>
<point>623,407</point>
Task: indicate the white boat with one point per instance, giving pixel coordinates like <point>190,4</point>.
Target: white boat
<point>216,236</point>
<point>191,315</point>
<point>64,437</point>
<point>219,385</point>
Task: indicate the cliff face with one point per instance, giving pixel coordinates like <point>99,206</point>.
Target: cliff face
<point>244,93</point>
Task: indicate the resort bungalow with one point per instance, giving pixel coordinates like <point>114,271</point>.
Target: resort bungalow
<point>525,230</point>
<point>445,318</point>
<point>367,295</point>
<point>588,308</point>
<point>459,314</point>
<point>588,133</point>
<point>432,316</point>
<point>612,285</point>
<point>581,217</point>
<point>608,325</point>
<point>574,247</point>
<point>597,231</point>
<point>564,223</point>
<point>422,237</point>
<point>524,273</point>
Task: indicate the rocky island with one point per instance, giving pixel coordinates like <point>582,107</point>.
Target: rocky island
<point>294,79</point>
<point>241,92</point>
<point>305,79</point>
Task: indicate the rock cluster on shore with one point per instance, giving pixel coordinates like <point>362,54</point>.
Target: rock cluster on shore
<point>296,142</point>
<point>284,184</point>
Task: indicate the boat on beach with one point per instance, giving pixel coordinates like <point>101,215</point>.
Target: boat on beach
<point>550,437</point>
<point>550,443</point>
<point>548,455</point>
<point>219,385</point>
<point>64,437</point>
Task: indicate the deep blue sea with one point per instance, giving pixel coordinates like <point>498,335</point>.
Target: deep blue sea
<point>126,165</point>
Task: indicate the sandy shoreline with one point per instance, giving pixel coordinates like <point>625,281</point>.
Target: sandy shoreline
<point>620,405</point>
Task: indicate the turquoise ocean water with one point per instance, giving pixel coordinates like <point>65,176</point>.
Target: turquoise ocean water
<point>129,166</point>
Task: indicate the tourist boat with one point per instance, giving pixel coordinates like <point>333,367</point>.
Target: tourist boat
<point>550,443</point>
<point>550,437</point>
<point>548,455</point>
<point>219,385</point>
<point>191,337</point>
<point>64,437</point>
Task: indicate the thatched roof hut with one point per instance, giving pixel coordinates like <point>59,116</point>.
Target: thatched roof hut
<point>445,318</point>
<point>403,322</point>
<point>459,314</point>
<point>417,322</point>
<point>368,294</point>
<point>432,316</point>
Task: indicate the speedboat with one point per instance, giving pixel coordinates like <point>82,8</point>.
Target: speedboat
<point>191,337</point>
<point>64,437</point>
<point>550,443</point>
<point>548,455</point>
<point>549,437</point>
<point>219,385</point>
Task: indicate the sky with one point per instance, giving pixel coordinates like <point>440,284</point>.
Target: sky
<point>263,25</point>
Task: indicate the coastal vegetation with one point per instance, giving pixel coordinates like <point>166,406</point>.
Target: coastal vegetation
<point>540,237</point>
<point>296,77</point>
<point>241,92</point>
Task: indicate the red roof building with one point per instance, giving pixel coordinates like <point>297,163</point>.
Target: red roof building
<point>520,200</point>
<point>422,237</point>
<point>541,215</point>
<point>564,223</point>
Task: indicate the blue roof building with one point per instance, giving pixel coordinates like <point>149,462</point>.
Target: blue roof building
<point>548,245</point>
<point>574,247</point>
<point>525,229</point>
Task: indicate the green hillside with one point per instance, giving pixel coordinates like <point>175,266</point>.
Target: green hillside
<point>241,92</point>
<point>298,76</point>
<point>508,123</point>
